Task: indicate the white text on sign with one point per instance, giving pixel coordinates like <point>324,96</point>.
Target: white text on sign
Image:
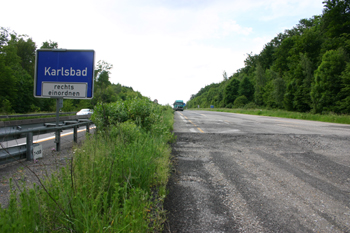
<point>65,72</point>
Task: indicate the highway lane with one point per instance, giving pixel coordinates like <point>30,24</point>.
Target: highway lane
<point>222,122</point>
<point>243,173</point>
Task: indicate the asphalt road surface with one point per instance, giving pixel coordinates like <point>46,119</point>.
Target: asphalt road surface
<point>243,173</point>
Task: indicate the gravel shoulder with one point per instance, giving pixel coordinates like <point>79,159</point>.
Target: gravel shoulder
<point>22,171</point>
<point>259,183</point>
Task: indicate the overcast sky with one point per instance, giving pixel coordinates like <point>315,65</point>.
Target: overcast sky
<point>165,49</point>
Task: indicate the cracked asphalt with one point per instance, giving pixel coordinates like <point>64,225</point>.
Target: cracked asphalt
<point>242,173</point>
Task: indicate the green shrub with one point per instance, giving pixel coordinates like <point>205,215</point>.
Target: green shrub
<point>251,105</point>
<point>127,131</point>
<point>229,105</point>
<point>140,110</point>
<point>6,107</point>
<point>109,114</point>
<point>240,101</point>
<point>34,108</point>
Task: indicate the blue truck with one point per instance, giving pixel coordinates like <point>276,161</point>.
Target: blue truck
<point>179,105</point>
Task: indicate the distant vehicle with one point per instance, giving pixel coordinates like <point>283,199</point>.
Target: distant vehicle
<point>179,105</point>
<point>85,111</point>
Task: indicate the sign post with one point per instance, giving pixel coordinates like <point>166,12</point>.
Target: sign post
<point>63,74</point>
<point>59,105</point>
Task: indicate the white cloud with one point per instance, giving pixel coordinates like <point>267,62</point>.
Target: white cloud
<point>232,26</point>
<point>163,48</point>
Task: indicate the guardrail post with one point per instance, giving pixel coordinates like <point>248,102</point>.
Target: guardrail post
<point>58,140</point>
<point>29,153</point>
<point>59,105</point>
<point>75,134</point>
<point>88,128</point>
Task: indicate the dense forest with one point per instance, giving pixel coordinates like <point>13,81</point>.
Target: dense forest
<point>304,69</point>
<point>17,61</point>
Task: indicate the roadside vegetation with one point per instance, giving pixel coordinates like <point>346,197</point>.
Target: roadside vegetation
<point>304,69</point>
<point>24,117</point>
<point>330,117</point>
<point>17,60</point>
<point>115,182</point>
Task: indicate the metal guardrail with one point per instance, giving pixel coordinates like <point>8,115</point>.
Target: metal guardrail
<point>27,131</point>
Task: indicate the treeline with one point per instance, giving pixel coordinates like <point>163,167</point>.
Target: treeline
<point>17,61</point>
<point>304,69</point>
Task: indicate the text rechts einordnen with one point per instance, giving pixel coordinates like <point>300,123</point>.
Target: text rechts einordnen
<point>63,90</point>
<point>48,71</point>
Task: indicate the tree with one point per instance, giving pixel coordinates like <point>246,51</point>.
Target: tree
<point>343,104</point>
<point>328,81</point>
<point>268,95</point>
<point>303,80</point>
<point>4,35</point>
<point>231,91</point>
<point>103,79</point>
<point>102,66</point>
<point>282,54</point>
<point>212,96</point>
<point>246,88</point>
<point>240,101</point>
<point>336,17</point>
<point>250,65</point>
<point>266,57</point>
<point>279,91</point>
<point>26,51</point>
<point>224,75</point>
<point>16,63</point>
<point>288,99</point>
<point>102,83</point>
<point>260,81</point>
<point>8,89</point>
<point>309,43</point>
<point>49,45</point>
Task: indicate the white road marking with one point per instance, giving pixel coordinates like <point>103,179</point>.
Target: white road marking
<point>230,131</point>
<point>192,123</point>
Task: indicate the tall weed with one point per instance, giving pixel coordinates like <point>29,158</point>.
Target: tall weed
<point>115,182</point>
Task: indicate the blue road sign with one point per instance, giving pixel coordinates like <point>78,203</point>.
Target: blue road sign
<point>62,73</point>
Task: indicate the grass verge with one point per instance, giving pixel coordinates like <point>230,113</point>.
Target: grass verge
<point>32,117</point>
